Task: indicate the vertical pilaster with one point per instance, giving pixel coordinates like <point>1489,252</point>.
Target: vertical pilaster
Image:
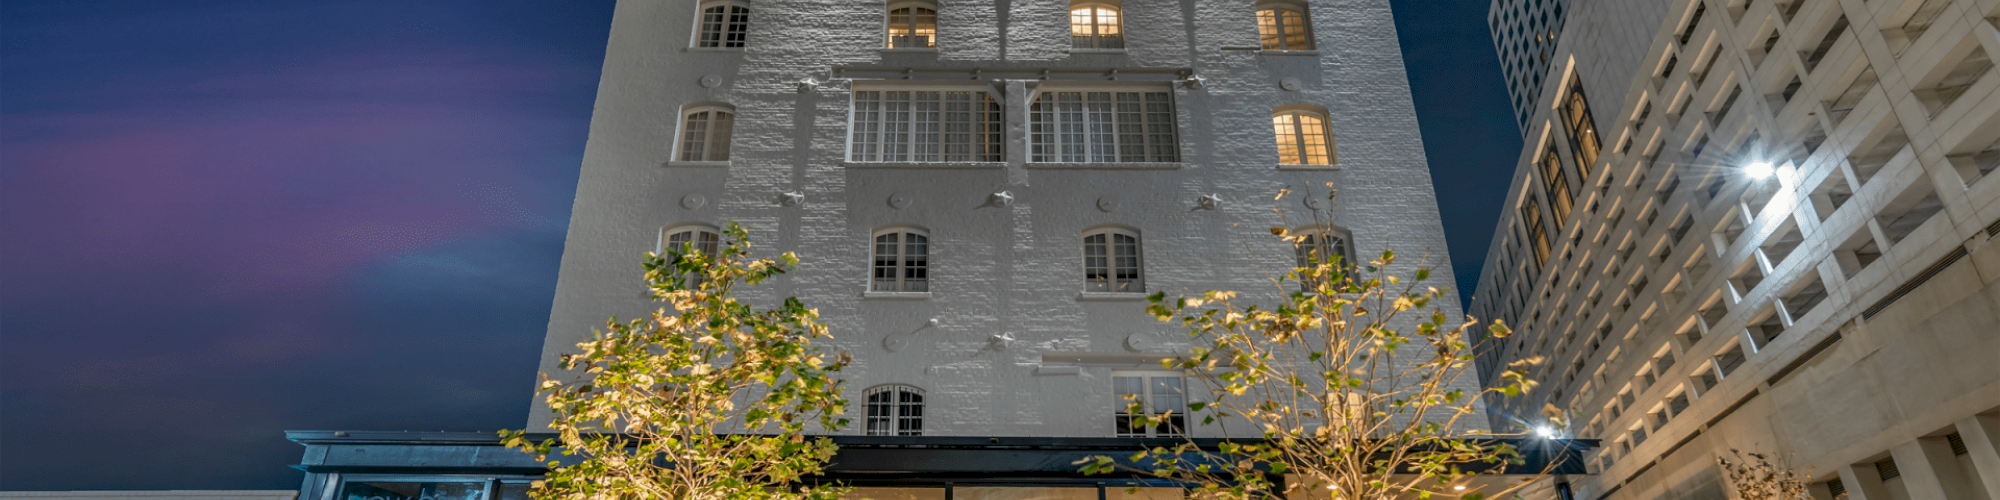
<point>1982,442</point>
<point>1921,474</point>
<point>1863,483</point>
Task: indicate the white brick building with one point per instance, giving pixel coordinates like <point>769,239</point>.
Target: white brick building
<point>1778,239</point>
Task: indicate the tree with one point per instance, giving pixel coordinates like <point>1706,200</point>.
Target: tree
<point>706,399</point>
<point>1756,478</point>
<point>1338,387</point>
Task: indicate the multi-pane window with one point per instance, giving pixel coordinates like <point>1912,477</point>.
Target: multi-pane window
<point>1157,394</point>
<point>1095,26</point>
<point>1111,262</point>
<point>1103,127</point>
<point>723,25</point>
<point>1582,128</point>
<point>1315,249</point>
<point>895,410</point>
<point>902,262</point>
<point>702,239</point>
<point>705,134</point>
<point>913,27</point>
<point>1538,236</point>
<point>1284,28</point>
<point>925,126</point>
<point>1303,138</point>
<point>1556,181</point>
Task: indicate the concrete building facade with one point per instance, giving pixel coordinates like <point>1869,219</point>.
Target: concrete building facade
<point>1767,226</point>
<point>1524,36</point>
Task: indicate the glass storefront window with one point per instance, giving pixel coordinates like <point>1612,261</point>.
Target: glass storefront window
<point>397,490</point>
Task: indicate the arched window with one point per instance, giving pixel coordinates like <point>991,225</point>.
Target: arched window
<point>913,26</point>
<point>902,261</point>
<point>722,25</point>
<point>1304,138</point>
<point>1318,246</point>
<point>1111,262</point>
<point>705,133</point>
<point>1284,26</point>
<point>700,238</point>
<point>895,410</point>
<point>1095,25</point>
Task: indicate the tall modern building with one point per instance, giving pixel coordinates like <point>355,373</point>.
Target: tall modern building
<point>1524,36</point>
<point>981,194</point>
<point>1765,226</point>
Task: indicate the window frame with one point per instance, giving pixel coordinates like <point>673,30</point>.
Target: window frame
<point>1555,181</point>
<point>722,43</point>
<point>986,140</point>
<point>1581,127</point>
<point>889,24</point>
<point>1047,121</point>
<point>709,136</point>
<point>1346,248</point>
<point>666,249</point>
<point>898,419</point>
<point>1110,280</point>
<point>1299,134</point>
<point>1277,9</point>
<point>1120,419</point>
<point>902,266</point>
<point>1098,40</point>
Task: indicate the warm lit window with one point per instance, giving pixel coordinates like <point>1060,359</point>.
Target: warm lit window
<point>1095,26</point>
<point>1158,394</point>
<point>913,26</point>
<point>1556,181</point>
<point>1538,235</point>
<point>925,126</point>
<point>1284,27</point>
<point>1303,138</point>
<point>705,133</point>
<point>902,261</point>
<point>1111,262</point>
<point>1103,127</point>
<point>895,410</point>
<point>1582,128</point>
<point>723,25</point>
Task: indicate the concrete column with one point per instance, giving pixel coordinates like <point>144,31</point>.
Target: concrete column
<point>1982,441</point>
<point>1952,479</point>
<point>1921,474</point>
<point>1863,483</point>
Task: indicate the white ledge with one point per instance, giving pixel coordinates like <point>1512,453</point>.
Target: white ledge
<point>696,164</point>
<point>1045,371</point>
<point>1107,165</point>
<point>714,49</point>
<point>896,295</point>
<point>1308,167</point>
<point>925,164</point>
<point>1288,52</point>
<point>1111,296</point>
<point>909,50</point>
<point>1096,51</point>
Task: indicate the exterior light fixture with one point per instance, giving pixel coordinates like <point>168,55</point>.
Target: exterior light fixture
<point>1759,170</point>
<point>1458,488</point>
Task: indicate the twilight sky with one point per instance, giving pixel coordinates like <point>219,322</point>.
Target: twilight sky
<point>222,219</point>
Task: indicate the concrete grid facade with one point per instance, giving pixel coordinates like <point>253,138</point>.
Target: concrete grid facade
<point>1524,34</point>
<point>1840,313</point>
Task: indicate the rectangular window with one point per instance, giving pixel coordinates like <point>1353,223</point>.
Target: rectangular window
<point>925,126</point>
<point>1111,263</point>
<point>1157,394</point>
<point>1103,127</point>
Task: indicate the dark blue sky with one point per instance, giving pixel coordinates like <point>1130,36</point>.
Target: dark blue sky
<point>224,219</point>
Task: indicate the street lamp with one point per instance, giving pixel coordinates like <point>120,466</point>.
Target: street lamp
<point>1759,170</point>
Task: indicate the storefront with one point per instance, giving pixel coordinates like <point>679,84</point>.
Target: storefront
<point>365,465</point>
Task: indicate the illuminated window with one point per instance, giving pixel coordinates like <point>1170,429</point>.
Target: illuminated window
<point>723,25</point>
<point>1284,26</point>
<point>1111,262</point>
<point>1582,128</point>
<point>1303,138</point>
<point>705,133</point>
<point>1538,236</point>
<point>1556,181</point>
<point>913,26</point>
<point>1095,26</point>
<point>902,261</point>
<point>895,410</point>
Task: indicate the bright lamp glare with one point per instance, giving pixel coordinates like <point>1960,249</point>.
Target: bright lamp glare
<point>1459,487</point>
<point>1545,432</point>
<point>1759,170</point>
